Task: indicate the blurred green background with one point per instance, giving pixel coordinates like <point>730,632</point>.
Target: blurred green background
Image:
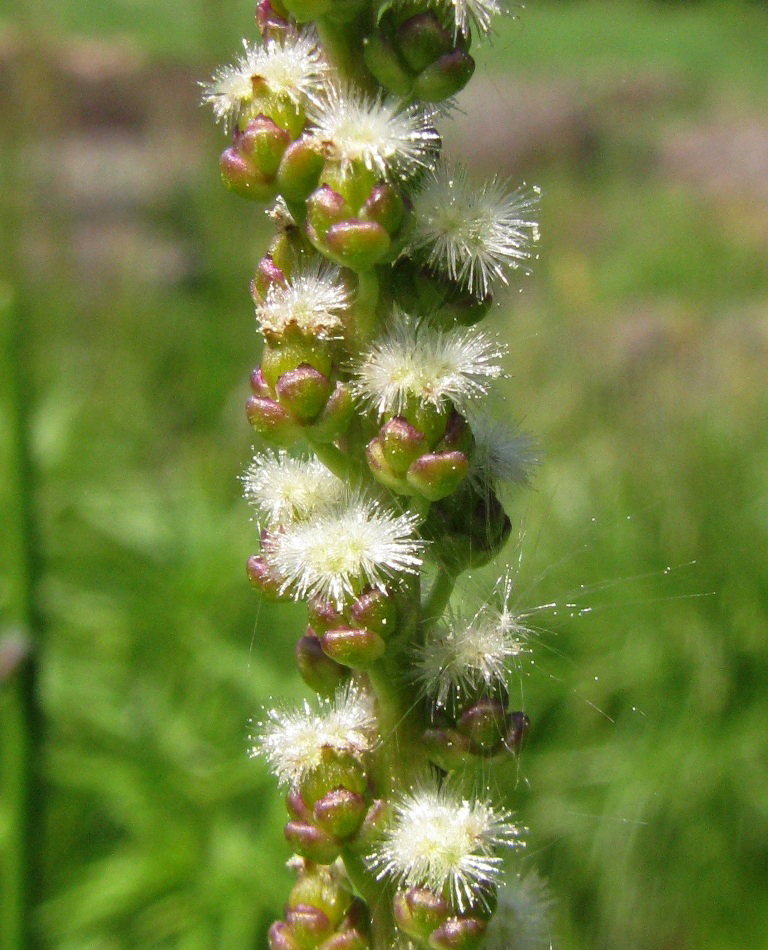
<point>638,357</point>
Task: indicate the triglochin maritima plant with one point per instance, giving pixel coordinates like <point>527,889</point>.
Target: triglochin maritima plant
<point>378,470</point>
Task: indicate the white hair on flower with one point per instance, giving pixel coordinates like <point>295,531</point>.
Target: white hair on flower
<point>475,13</point>
<point>417,360</point>
<point>501,454</point>
<point>439,839</point>
<point>292,740</point>
<point>464,653</point>
<point>313,301</point>
<point>343,548</point>
<point>284,489</point>
<point>472,233</point>
<point>292,67</point>
<point>383,134</point>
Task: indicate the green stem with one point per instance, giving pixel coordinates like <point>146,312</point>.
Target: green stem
<point>438,597</point>
<point>21,725</point>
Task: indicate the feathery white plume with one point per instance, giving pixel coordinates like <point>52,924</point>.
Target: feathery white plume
<point>313,302</point>
<point>439,839</point>
<point>386,136</point>
<point>292,67</point>
<point>501,454</point>
<point>343,548</point>
<point>426,363</point>
<point>284,489</point>
<point>472,233</point>
<point>522,917</point>
<point>292,740</point>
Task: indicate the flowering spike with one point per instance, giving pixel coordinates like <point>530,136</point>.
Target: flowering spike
<point>471,234</point>
<point>441,840</point>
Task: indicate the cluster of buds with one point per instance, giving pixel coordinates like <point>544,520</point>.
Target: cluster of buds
<point>381,468</point>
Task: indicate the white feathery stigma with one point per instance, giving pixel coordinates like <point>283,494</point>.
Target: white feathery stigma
<point>472,233</point>
<point>383,134</point>
<point>291,67</point>
<point>292,740</point>
<point>464,653</point>
<point>283,489</point>
<point>501,454</point>
<point>313,302</point>
<point>343,548</point>
<point>441,840</point>
<point>419,361</point>
<point>475,13</point>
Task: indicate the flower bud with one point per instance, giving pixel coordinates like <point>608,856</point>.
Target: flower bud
<point>350,647</point>
<point>303,392</point>
<point>458,933</point>
<point>318,670</point>
<point>418,912</point>
<point>517,730</point>
<point>267,274</point>
<point>375,610</point>
<point>324,888</point>
<point>467,530</point>
<point>356,244</point>
<point>249,166</point>
<point>384,205</point>
<point>271,422</point>
<point>338,770</point>
<point>323,615</point>
<point>340,813</point>
<point>308,924</point>
<point>262,578</point>
<point>336,416</point>
<point>280,937</point>
<point>312,842</point>
<point>485,725</point>
<point>448,749</point>
<point>445,77</point>
<point>324,208</point>
<point>437,474</point>
<point>299,169</point>
<point>401,445</point>
<point>270,21</point>
<point>292,350</point>
<point>296,806</point>
<point>346,940</point>
<point>382,59</point>
<point>376,819</point>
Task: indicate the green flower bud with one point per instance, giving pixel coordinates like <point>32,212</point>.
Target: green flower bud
<point>458,933</point>
<point>271,422</point>
<point>280,937</point>
<point>375,610</point>
<point>384,205</point>
<point>249,166</point>
<point>356,244</point>
<point>418,912</point>
<point>299,169</point>
<point>338,770</point>
<point>303,392</point>
<point>340,813</point>
<point>445,77</point>
<point>448,749</point>
<point>346,940</point>
<point>324,208</point>
<point>466,529</point>
<point>437,474</point>
<point>323,888</point>
<point>382,59</point>
<point>267,275</point>
<point>377,463</point>
<point>311,842</point>
<point>401,445</point>
<point>350,647</point>
<point>336,416</point>
<point>263,579</point>
<point>308,925</point>
<point>296,806</point>
<point>318,670</point>
<point>323,615</point>
<point>289,352</point>
<point>421,40</point>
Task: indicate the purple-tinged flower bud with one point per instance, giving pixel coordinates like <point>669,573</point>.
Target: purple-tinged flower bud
<point>377,463</point>
<point>271,422</point>
<point>337,770</point>
<point>318,670</point>
<point>401,444</point>
<point>312,842</point>
<point>267,275</point>
<point>355,648</point>
<point>309,925</point>
<point>437,474</point>
<point>249,166</point>
<point>346,940</point>
<point>448,749</point>
<point>485,725</point>
<point>458,435</point>
<point>378,816</point>
<point>375,610</point>
<point>458,933</point>
<point>296,806</point>
<point>325,889</point>
<point>263,578</point>
<point>280,937</point>
<point>324,208</point>
<point>419,911</point>
<point>467,530</point>
<point>421,40</point>
<point>295,349</point>
<point>336,416</point>
<point>258,384</point>
<point>357,917</point>
<point>299,169</point>
<point>517,730</point>
<point>270,21</point>
<point>385,206</point>
<point>356,244</point>
<point>445,77</point>
<point>340,813</point>
<point>303,392</point>
<point>323,615</point>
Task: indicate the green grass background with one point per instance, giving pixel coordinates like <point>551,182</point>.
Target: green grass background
<point>638,354</point>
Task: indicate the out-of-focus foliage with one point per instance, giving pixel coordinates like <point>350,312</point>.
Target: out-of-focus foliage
<point>638,354</point>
